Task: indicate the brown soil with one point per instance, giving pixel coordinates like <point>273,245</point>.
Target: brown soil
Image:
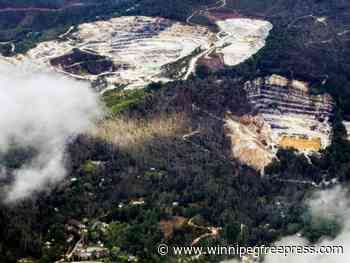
<point>301,144</point>
<point>214,62</point>
<point>221,15</point>
<point>168,226</point>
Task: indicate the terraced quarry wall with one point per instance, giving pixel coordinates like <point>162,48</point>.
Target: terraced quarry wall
<point>138,47</point>
<point>285,115</point>
<point>133,51</point>
<point>297,118</point>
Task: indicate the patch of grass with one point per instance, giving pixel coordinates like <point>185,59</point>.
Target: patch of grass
<point>117,101</point>
<point>89,167</point>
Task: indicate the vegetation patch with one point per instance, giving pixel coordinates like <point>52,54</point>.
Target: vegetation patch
<point>89,167</point>
<point>120,100</point>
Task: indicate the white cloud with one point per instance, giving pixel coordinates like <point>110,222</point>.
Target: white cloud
<point>42,110</point>
<point>330,204</point>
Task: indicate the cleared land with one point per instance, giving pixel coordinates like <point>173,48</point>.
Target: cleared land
<point>134,51</point>
<point>297,118</point>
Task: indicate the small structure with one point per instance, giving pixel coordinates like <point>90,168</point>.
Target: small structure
<point>90,253</point>
<point>139,201</point>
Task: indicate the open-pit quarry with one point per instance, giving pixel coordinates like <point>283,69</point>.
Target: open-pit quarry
<point>128,51</point>
<point>285,115</point>
<point>133,51</point>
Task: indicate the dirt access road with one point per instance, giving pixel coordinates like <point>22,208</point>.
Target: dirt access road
<point>193,62</point>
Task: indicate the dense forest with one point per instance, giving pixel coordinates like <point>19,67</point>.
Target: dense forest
<point>33,3</point>
<point>54,4</point>
<point>196,174</point>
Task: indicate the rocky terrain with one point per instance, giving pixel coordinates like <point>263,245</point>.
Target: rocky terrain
<point>347,128</point>
<point>251,140</point>
<point>287,116</point>
<point>134,51</point>
<point>241,38</point>
<point>136,48</point>
<point>297,118</point>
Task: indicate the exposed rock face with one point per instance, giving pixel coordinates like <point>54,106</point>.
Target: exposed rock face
<point>241,38</point>
<point>251,140</point>
<point>347,128</point>
<point>134,51</point>
<point>297,118</point>
<point>286,116</point>
<point>138,47</point>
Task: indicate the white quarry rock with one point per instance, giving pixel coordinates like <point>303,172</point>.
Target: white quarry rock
<point>347,128</point>
<point>140,47</point>
<point>295,116</point>
<point>299,126</point>
<point>243,37</point>
<point>287,115</point>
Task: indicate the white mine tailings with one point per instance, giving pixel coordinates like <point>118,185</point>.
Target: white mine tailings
<point>134,51</point>
<point>239,39</point>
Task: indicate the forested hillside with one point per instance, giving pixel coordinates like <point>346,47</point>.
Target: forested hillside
<point>162,166</point>
<point>33,3</point>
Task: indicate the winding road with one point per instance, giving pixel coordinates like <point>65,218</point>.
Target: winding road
<point>213,231</point>
<point>221,3</point>
<point>193,62</point>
